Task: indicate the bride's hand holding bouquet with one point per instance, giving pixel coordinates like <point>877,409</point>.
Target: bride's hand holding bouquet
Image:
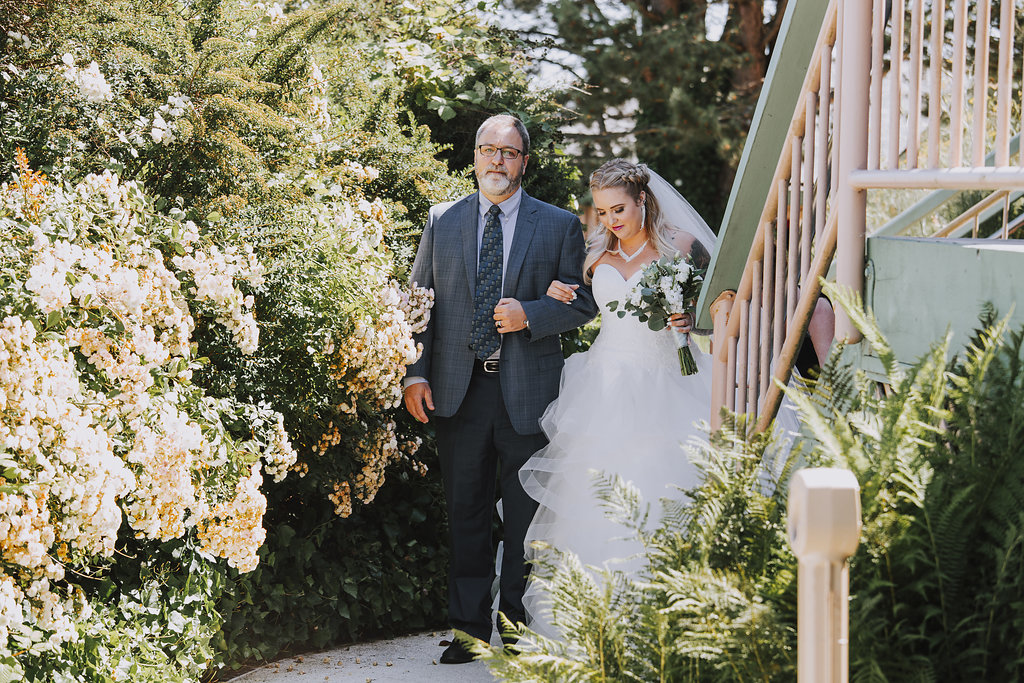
<point>668,287</point>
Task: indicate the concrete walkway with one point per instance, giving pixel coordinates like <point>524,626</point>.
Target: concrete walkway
<point>410,658</point>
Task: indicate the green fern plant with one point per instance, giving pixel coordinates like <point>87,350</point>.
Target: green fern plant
<point>938,457</point>
<point>703,609</point>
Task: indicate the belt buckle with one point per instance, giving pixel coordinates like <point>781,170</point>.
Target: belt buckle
<point>491,365</point>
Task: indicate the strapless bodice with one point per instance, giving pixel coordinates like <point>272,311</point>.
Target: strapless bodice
<point>626,335</point>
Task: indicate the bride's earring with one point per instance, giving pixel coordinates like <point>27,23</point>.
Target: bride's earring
<point>643,215</point>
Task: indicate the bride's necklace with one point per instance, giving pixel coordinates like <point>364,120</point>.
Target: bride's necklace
<point>630,257</point>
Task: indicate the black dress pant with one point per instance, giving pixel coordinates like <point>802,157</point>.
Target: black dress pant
<point>477,447</point>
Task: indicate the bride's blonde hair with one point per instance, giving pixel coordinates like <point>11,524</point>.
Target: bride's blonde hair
<point>634,179</point>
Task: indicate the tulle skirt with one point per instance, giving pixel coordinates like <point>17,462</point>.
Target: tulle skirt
<point>620,411</point>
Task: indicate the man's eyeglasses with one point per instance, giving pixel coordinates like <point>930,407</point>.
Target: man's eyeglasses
<point>507,153</point>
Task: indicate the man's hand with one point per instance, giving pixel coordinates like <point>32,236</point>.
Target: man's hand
<point>509,316</point>
<point>416,395</point>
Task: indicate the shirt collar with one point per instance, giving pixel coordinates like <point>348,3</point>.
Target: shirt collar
<point>508,207</point>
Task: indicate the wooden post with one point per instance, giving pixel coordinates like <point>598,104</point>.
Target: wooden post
<point>824,530</point>
<point>853,154</point>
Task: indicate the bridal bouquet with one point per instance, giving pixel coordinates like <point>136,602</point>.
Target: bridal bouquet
<point>669,285</point>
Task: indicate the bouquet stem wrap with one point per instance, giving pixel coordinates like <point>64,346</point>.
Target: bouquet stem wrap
<point>687,365</point>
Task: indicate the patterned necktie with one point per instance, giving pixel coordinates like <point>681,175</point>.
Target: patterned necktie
<point>484,338</point>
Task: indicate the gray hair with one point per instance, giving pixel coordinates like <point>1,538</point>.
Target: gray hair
<point>507,120</point>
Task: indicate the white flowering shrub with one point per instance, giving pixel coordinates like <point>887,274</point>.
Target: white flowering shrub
<point>339,323</point>
<point>101,427</point>
<point>270,125</point>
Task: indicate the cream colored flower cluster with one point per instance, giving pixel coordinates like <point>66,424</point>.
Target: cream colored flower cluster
<point>341,496</point>
<point>66,482</point>
<point>215,272</point>
<point>233,529</point>
<point>91,83</point>
<point>279,455</point>
<point>98,422</point>
<point>164,118</point>
<point>362,173</point>
<point>165,501</point>
<point>377,449</point>
<point>48,426</point>
<point>319,105</point>
<point>371,362</point>
<point>416,304</point>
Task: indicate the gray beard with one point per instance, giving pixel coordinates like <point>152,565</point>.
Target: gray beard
<point>496,186</point>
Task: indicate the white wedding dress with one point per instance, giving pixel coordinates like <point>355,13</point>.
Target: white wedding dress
<point>623,408</point>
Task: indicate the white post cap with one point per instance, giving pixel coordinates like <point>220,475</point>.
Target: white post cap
<point>824,514</point>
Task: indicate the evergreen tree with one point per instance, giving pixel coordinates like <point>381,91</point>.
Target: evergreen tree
<point>652,83</point>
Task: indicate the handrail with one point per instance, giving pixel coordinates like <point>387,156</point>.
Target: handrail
<point>936,199</point>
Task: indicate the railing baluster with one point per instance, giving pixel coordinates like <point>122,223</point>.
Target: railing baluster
<point>1007,29</point>
<point>767,309</point>
<point>956,107</point>
<point>742,344</point>
<point>730,375</point>
<point>980,82</point>
<point>807,180</point>
<point>916,68</point>
<point>877,77</point>
<point>1006,215</point>
<point>837,77</point>
<point>720,310</point>
<point>850,202</point>
<point>824,121</point>
<point>793,240</point>
<point>779,305</point>
<point>935,89</point>
<point>899,11</point>
<point>755,341</point>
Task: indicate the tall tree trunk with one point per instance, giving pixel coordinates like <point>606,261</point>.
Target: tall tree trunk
<point>665,8</point>
<point>662,9</point>
<point>750,36</point>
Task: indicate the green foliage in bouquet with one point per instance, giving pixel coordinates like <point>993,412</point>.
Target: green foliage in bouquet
<point>667,286</point>
<point>935,583</point>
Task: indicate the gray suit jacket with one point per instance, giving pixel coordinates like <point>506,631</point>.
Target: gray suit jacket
<point>548,245</point>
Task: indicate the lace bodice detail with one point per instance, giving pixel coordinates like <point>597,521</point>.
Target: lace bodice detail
<point>627,336</point>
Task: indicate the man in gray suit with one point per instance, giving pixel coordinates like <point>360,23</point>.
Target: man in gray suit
<point>492,361</point>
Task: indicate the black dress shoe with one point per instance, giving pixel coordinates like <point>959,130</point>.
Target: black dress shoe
<point>457,654</point>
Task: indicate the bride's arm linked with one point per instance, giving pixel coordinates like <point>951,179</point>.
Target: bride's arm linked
<point>546,316</point>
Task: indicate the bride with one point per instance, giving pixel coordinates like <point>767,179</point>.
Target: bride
<point>623,408</point>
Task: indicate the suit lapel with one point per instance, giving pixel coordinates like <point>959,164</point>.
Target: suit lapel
<point>526,225</point>
<point>468,220</point>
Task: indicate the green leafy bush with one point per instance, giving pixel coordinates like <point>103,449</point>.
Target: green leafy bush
<point>281,139</point>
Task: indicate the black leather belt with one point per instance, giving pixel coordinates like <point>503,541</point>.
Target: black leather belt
<point>489,366</point>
